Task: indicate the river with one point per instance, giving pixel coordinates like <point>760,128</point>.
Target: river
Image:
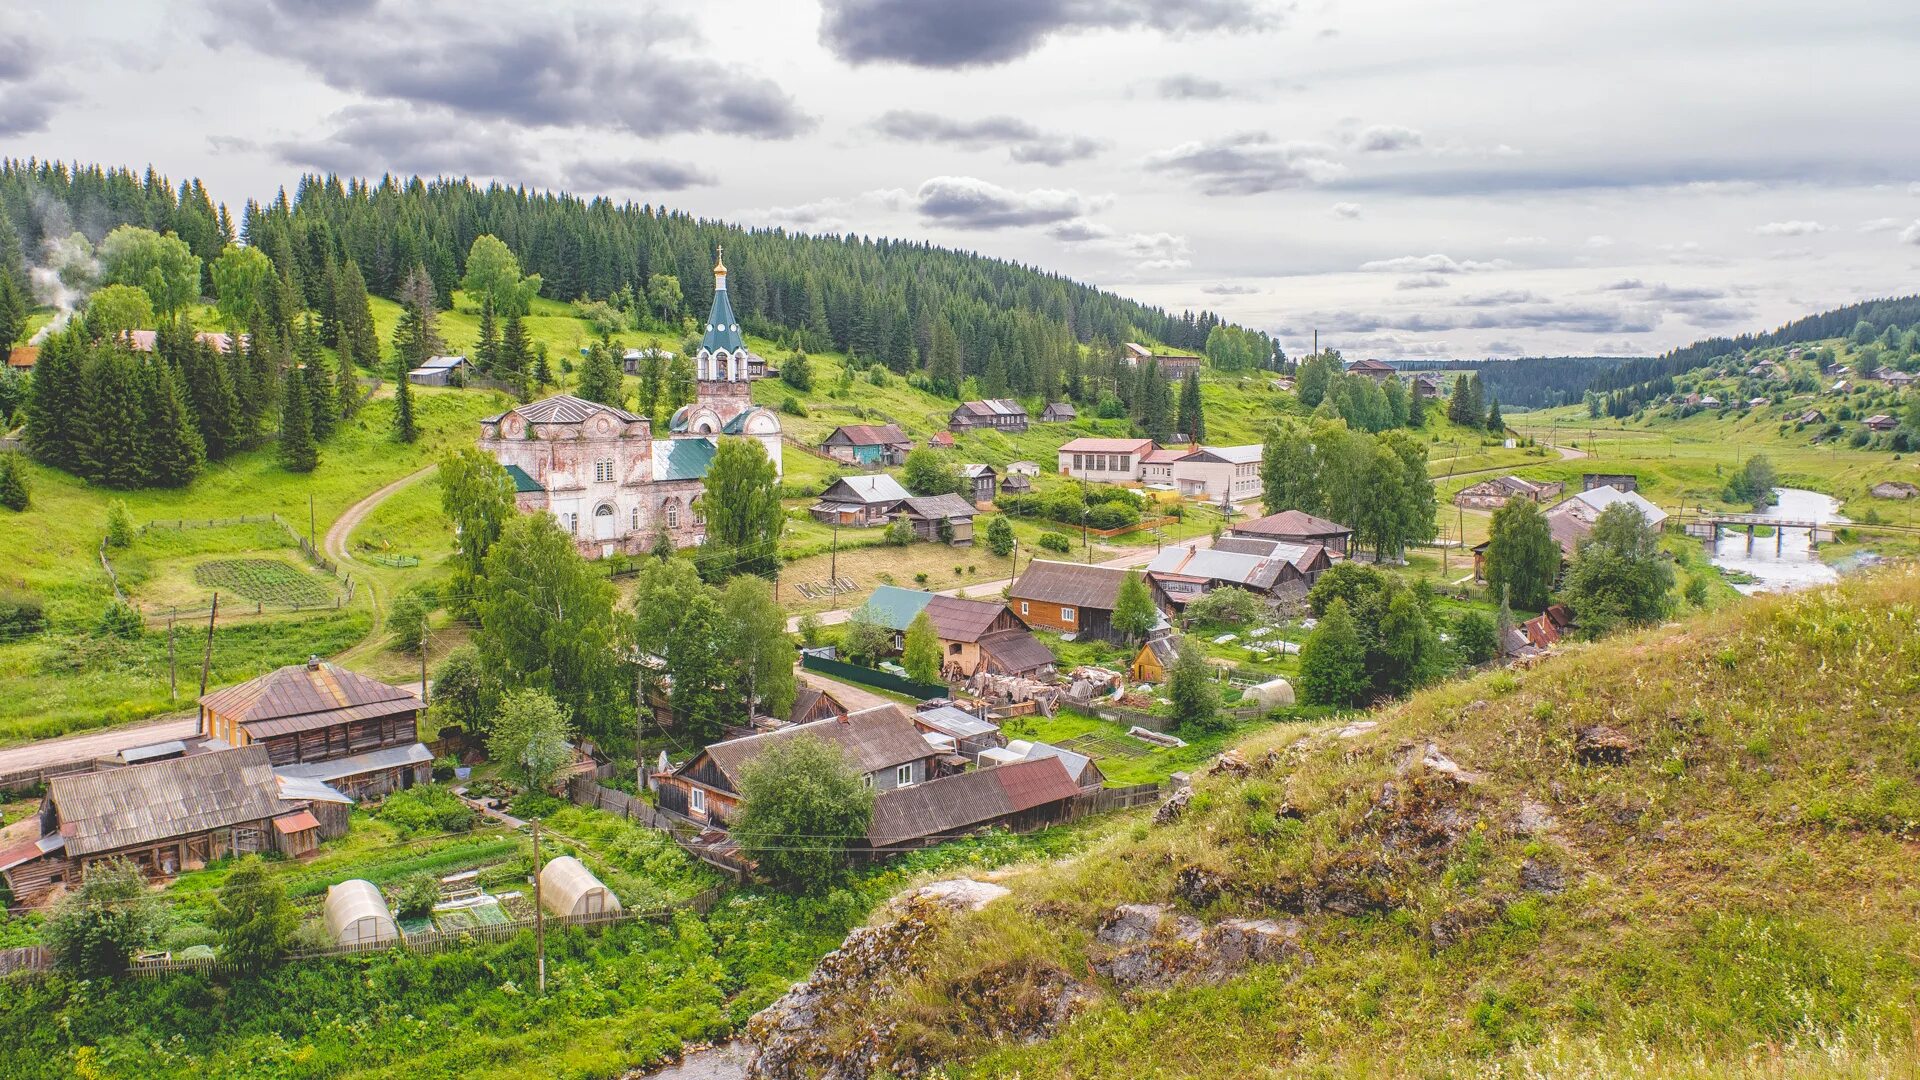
<point>1794,564</point>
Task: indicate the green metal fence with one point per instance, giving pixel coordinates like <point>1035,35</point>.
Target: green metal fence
<point>885,680</point>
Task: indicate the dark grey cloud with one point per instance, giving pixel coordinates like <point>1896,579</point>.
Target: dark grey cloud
<point>636,174</point>
<point>966,202</point>
<point>28,92</point>
<point>521,64</point>
<point>1386,138</point>
<point>1025,143</point>
<point>1191,88</point>
<point>974,33</point>
<point>19,56</point>
<point>367,140</point>
<point>1248,163</point>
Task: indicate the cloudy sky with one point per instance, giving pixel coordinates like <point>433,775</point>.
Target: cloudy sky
<point>1482,177</point>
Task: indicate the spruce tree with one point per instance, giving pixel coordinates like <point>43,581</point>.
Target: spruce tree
<point>404,427</point>
<point>317,381</point>
<point>1193,417</point>
<point>1495,423</point>
<point>486,351</point>
<point>13,312</point>
<point>542,373</point>
<point>116,403</point>
<point>175,451</point>
<point>298,453</point>
<point>360,345</point>
<point>511,358</point>
<point>14,493</point>
<point>346,388</point>
<point>329,307</point>
<point>56,400</point>
<point>210,396</point>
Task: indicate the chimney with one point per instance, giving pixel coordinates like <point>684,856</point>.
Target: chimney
<point>313,662</point>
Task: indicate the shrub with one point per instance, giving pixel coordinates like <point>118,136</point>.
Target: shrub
<point>900,533</point>
<point>407,620</point>
<point>1057,542</point>
<point>1229,605</point>
<point>428,808</point>
<point>415,896</point>
<point>21,614</point>
<point>792,407</point>
<point>119,620</point>
<point>119,525</point>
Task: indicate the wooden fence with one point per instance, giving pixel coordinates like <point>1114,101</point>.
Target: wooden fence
<point>157,617</point>
<point>28,779</point>
<point>30,958</point>
<point>587,791</point>
<point>1112,798</point>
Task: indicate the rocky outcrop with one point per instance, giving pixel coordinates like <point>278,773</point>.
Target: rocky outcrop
<point>1175,805</point>
<point>1150,946</point>
<point>1602,745</point>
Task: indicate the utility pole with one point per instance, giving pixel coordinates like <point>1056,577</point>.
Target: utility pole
<point>539,914</point>
<point>206,658</point>
<point>423,665</point>
<point>640,719</point>
<point>833,560</point>
<point>173,678</point>
<point>311,542</point>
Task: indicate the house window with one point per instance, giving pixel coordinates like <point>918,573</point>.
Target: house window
<point>1077,463</point>
<point>1023,607</point>
<point>866,780</point>
<point>903,776</point>
<point>603,471</point>
<point>697,800</point>
<point>634,519</point>
<point>1122,464</point>
<point>673,516</point>
<point>573,524</point>
<point>953,649</point>
<point>1066,614</point>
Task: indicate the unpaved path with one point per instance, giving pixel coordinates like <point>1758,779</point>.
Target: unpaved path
<point>97,744</point>
<point>336,548</point>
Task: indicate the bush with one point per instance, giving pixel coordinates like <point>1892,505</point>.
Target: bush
<point>119,620</point>
<point>428,808</point>
<point>1057,542</point>
<point>792,407</point>
<point>1000,536</point>
<point>407,620</point>
<point>415,896</point>
<point>119,525</point>
<point>900,533</point>
<point>21,614</point>
<point>1230,606</point>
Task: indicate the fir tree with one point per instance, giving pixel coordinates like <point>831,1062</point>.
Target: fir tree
<point>13,311</point>
<point>56,400</point>
<point>1192,419</point>
<point>405,428</point>
<point>14,492</point>
<point>1495,423</point>
<point>600,378</point>
<point>209,388</point>
<point>360,343</point>
<point>317,381</point>
<point>542,372</point>
<point>116,401</point>
<point>297,450</point>
<point>175,451</point>
<point>487,349</point>
<point>1333,662</point>
<point>511,357</point>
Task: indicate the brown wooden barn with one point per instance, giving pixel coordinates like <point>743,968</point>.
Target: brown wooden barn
<point>365,731</point>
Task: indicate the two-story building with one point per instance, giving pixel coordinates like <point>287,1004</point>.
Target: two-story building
<point>1071,598</point>
<point>996,414</point>
<point>974,635</point>
<point>319,721</point>
<point>1174,366</point>
<point>1110,461</point>
<point>882,744</point>
<point>1218,473</point>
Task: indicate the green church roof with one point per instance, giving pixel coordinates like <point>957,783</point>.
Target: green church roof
<point>522,483</point>
<point>723,328</point>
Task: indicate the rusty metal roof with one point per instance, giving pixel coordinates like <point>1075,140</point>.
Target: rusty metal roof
<point>873,739</point>
<point>953,805</point>
<point>143,804</point>
<point>1073,584</point>
<point>300,697</point>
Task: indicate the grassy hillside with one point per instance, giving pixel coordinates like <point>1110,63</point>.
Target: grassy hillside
<point>1682,852</point>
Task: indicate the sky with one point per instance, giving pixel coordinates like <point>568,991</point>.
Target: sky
<point>1474,178</point>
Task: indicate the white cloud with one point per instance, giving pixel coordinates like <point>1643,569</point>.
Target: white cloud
<point>1911,234</point>
<point>1885,224</point>
<point>1423,281</point>
<point>1524,241</point>
<point>1430,264</point>
<point>1795,227</point>
<point>1348,210</point>
<point>1599,240</point>
<point>1387,138</point>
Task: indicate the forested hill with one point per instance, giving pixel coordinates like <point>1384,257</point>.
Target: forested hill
<point>1543,382</point>
<point>876,298</point>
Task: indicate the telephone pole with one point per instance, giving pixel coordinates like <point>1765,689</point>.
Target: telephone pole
<point>206,657</point>
<point>173,677</point>
<point>423,664</point>
<point>539,914</point>
<point>311,542</point>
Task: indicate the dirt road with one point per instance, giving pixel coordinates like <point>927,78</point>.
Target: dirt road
<point>95,744</point>
<point>335,543</point>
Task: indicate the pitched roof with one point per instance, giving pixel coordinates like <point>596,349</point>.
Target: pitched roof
<point>1060,408</point>
<point>868,435</point>
<point>140,804</point>
<point>1244,454</point>
<point>894,607</point>
<point>992,407</point>
<point>1015,652</point>
<point>957,722</point>
<point>975,470</point>
<point>1595,500</point>
<point>955,804</point>
<point>940,506</point>
<point>955,619</point>
<point>1234,567</point>
<point>1369,365</point>
<point>873,490</point>
<point>522,481</point>
<point>1035,751</point>
<point>301,697</point>
<point>682,459</point>
<point>388,757</point>
<point>1072,584</point>
<point>1290,523</point>
<point>723,327</point>
<point>435,363</point>
<point>1166,455</point>
<point>563,409</point>
<point>873,739</point>
<point>1089,445</point>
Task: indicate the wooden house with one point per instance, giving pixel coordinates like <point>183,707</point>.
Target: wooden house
<point>867,444</point>
<point>982,482</point>
<point>997,414</point>
<point>166,817</point>
<point>325,723</point>
<point>1154,660</point>
<point>1496,493</point>
<point>928,514</point>
<point>881,743</point>
<point>1377,370</point>
<point>441,371</point>
<point>1881,422</point>
<point>1183,573</point>
<point>1072,598</point>
<point>1174,366</point>
<point>1058,412</point>
<point>1295,527</point>
<point>811,703</point>
<point>1020,797</point>
<point>860,501</point>
<point>974,634</point>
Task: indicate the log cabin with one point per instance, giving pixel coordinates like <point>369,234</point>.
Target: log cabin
<point>322,722</point>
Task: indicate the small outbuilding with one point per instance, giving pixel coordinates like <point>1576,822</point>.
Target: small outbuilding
<point>568,889</point>
<point>357,914</point>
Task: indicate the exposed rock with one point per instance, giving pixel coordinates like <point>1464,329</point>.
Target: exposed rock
<point>1599,744</point>
<point>1456,924</point>
<point>1532,819</point>
<point>1231,763</point>
<point>1154,947</point>
<point>1356,729</point>
<point>1542,877</point>
<point>1198,886</point>
<point>1430,756</point>
<point>1175,805</point>
<point>786,1033</point>
<point>1473,706</point>
<point>1419,814</point>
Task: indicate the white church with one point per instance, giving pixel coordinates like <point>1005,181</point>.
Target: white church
<point>599,470</point>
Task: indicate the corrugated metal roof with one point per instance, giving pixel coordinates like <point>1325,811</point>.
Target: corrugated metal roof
<point>867,435</point>
<point>1073,584</point>
<point>953,805</point>
<point>873,739</point>
<point>1035,751</point>
<point>297,822</point>
<point>303,789</point>
<point>372,761</point>
<point>955,619</point>
<point>1015,652</point>
<point>299,697</point>
<point>148,803</point>
<point>567,409</point>
<point>939,506</point>
<point>1236,567</point>
<point>523,482</point>
<point>134,755</point>
<point>948,720</point>
<point>1088,444</point>
<point>1290,523</point>
<point>877,489</point>
<point>894,607</point>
